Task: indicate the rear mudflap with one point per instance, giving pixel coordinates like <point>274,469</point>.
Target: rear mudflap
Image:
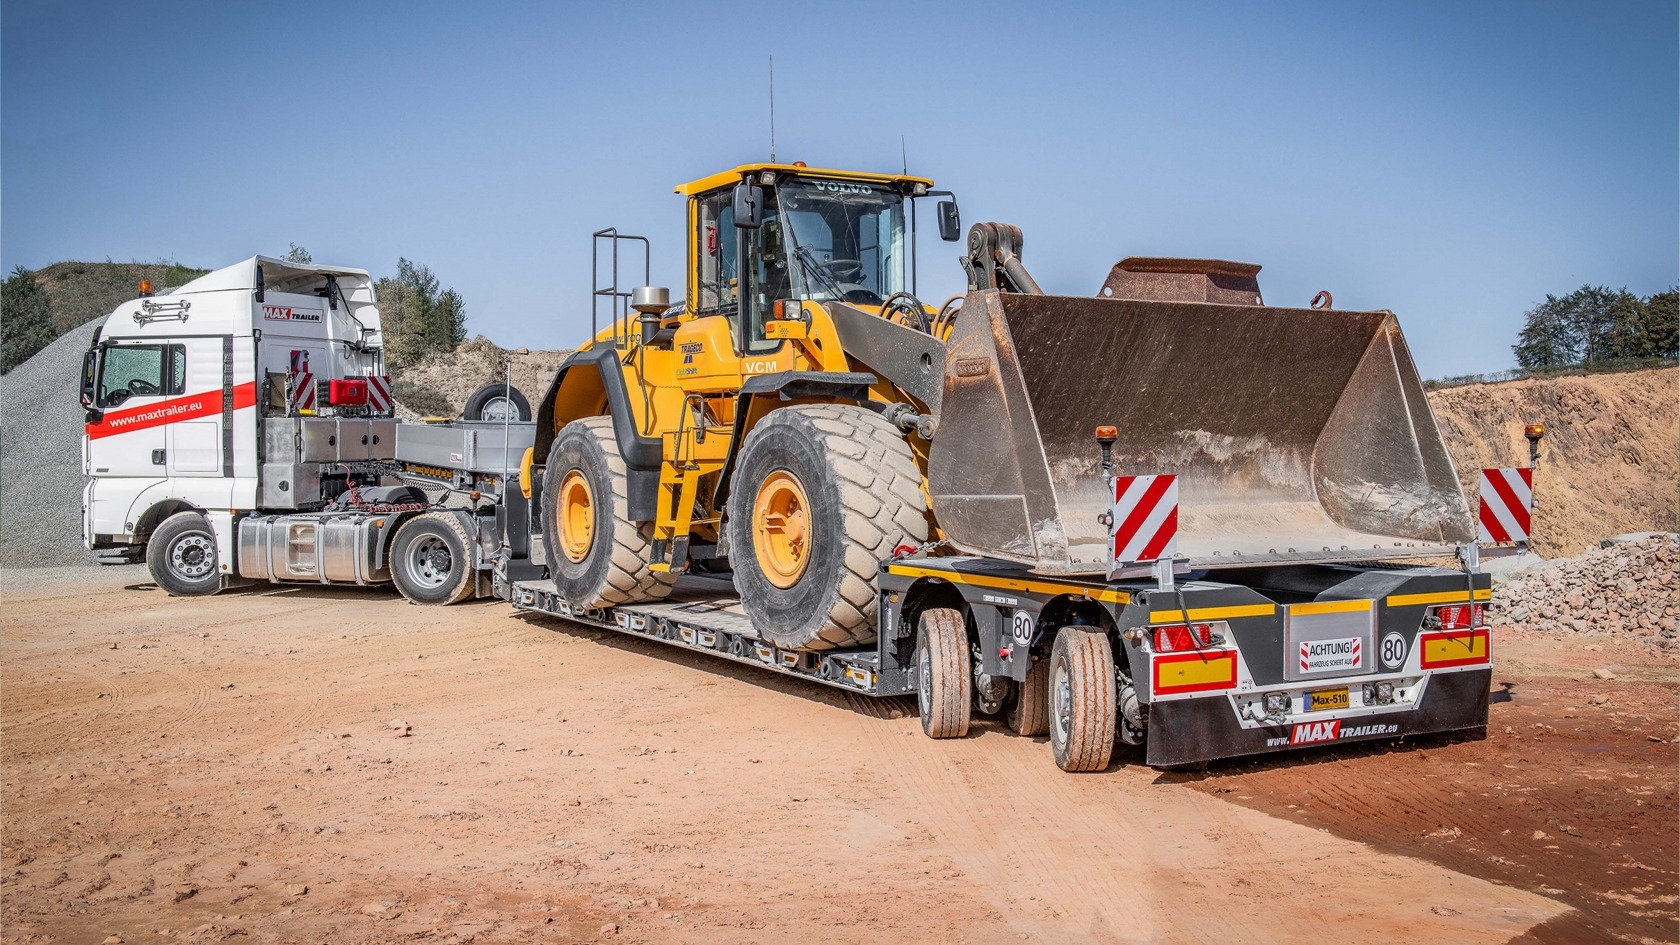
<point>1189,731</point>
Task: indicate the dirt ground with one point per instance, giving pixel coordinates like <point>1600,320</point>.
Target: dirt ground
<point>311,765</point>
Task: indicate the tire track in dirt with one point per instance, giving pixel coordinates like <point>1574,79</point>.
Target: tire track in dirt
<point>198,699</point>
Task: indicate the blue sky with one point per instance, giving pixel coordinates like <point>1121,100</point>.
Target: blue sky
<point>1453,162</point>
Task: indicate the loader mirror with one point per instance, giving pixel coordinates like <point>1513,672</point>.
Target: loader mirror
<point>749,206</point>
<point>950,224</point>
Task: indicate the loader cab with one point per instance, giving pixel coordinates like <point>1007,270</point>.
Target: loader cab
<point>770,232</point>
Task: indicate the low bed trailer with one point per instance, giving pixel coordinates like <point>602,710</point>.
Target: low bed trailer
<point>1376,653</point>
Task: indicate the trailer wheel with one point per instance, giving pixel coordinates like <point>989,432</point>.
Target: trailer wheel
<point>182,556</point>
<point>944,684</point>
<point>1082,712</point>
<point>431,559</point>
<point>822,494</point>
<point>597,557</point>
<point>1029,710</point>
<point>496,402</point>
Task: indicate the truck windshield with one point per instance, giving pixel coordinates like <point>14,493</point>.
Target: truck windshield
<point>847,239</point>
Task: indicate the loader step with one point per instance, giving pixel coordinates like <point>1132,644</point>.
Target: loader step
<point>704,614</point>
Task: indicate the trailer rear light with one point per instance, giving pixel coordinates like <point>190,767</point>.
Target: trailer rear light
<point>1448,648</point>
<point>1181,637</point>
<point>1460,617</point>
<point>344,393</point>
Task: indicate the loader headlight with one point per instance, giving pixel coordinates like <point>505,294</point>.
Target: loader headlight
<point>919,189</point>
<point>767,178</point>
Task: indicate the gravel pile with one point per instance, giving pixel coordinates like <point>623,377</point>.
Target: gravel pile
<point>1628,588</point>
<point>41,456</point>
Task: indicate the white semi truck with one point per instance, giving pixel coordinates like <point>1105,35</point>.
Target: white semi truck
<point>241,429</point>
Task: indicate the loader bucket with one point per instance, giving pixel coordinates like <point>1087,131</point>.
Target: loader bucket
<point>1296,434</point>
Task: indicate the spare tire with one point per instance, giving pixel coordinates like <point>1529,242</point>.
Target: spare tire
<point>493,402</point>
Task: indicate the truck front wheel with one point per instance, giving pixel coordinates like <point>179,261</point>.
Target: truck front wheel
<point>431,560</point>
<point>1082,696</point>
<point>182,556</point>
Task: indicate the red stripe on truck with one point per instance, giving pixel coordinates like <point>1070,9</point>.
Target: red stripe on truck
<point>190,407</point>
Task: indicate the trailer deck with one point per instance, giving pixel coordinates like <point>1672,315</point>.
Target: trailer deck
<point>704,614</point>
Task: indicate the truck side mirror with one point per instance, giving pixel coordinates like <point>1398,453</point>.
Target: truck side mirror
<point>950,224</point>
<point>749,206</point>
<point>90,376</point>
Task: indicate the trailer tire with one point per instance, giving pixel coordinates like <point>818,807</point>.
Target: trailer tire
<point>944,683</point>
<point>1029,710</point>
<point>489,402</point>
<point>596,556</point>
<point>431,559</point>
<point>181,555</point>
<point>1082,699</point>
<point>821,495</point>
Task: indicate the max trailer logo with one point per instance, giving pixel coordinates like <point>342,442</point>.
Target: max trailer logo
<point>285,313</point>
<point>1315,733</point>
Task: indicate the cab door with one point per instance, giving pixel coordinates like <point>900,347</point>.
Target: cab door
<point>195,441</point>
<point>136,395</point>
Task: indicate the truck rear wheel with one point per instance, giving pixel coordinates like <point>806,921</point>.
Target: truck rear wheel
<point>944,683</point>
<point>1082,696</point>
<point>1029,710</point>
<point>182,556</point>
<point>822,494</point>
<point>596,556</point>
<point>432,561</point>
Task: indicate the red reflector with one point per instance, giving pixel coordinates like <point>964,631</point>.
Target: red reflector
<point>347,393</point>
<point>1178,638</point>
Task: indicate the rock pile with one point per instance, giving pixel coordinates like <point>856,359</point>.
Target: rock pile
<point>1628,588</point>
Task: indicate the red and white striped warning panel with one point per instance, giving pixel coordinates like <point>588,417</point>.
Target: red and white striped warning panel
<point>379,393</point>
<point>1145,518</point>
<point>303,382</point>
<point>1507,500</point>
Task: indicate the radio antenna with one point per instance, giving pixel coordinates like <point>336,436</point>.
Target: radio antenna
<point>904,153</point>
<point>772,109</point>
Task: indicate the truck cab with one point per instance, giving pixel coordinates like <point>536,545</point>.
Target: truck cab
<point>178,388</point>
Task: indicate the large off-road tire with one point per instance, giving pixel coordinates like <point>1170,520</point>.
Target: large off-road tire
<point>1029,708</point>
<point>495,399</point>
<point>181,555</point>
<point>1082,699</point>
<point>432,559</point>
<point>944,679</point>
<point>822,494</point>
<point>597,557</point>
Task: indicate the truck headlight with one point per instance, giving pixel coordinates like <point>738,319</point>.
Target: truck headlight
<point>1277,704</point>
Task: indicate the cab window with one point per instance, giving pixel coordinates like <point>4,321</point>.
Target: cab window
<point>717,241</point>
<point>141,371</point>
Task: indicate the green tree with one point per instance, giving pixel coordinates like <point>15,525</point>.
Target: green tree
<point>1592,325</point>
<point>417,315</point>
<point>1658,332</point>
<point>25,319</point>
<point>1546,339</point>
<point>297,254</point>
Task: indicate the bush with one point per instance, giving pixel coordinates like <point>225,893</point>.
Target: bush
<point>26,324</point>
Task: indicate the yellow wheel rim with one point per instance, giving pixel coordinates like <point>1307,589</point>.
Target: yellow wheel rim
<point>782,528</point>
<point>577,516</point>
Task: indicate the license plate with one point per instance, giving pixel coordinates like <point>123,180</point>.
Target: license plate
<point>1321,699</point>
